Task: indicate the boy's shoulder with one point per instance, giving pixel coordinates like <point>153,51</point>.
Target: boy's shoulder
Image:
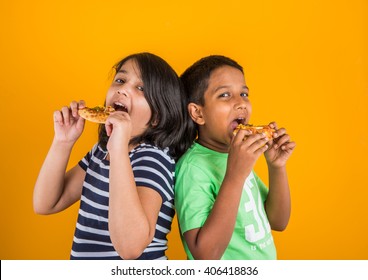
<point>192,153</point>
<point>199,155</point>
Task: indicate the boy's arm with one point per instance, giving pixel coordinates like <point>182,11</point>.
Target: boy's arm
<point>278,203</point>
<point>211,241</point>
<point>56,190</point>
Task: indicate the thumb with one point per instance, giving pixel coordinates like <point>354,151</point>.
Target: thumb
<point>108,127</point>
<point>80,123</point>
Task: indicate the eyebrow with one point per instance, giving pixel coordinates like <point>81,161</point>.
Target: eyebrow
<point>227,86</point>
<point>122,71</point>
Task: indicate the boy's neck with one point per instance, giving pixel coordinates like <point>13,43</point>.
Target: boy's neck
<point>218,147</point>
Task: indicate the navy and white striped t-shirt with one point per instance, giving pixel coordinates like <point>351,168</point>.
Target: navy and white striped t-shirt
<point>152,168</point>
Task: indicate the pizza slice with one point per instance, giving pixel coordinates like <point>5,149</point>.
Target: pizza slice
<point>266,129</point>
<point>98,114</point>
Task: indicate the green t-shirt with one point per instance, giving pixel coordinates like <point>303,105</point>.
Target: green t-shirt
<point>199,175</point>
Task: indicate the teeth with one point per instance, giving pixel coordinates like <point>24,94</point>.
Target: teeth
<point>118,105</point>
<point>240,120</point>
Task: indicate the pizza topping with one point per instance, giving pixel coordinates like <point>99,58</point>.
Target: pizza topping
<point>98,114</point>
<point>236,122</point>
<point>95,109</point>
<point>266,129</point>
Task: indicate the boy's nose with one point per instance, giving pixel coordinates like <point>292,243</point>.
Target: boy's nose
<point>240,105</point>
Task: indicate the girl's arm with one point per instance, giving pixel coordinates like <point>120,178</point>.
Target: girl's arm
<point>56,190</point>
<point>211,241</point>
<point>133,211</point>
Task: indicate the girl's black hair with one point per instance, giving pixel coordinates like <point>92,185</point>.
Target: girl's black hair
<point>164,93</point>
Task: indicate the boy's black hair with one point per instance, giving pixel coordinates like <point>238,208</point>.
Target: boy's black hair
<point>195,82</point>
<point>195,78</point>
<point>164,93</point>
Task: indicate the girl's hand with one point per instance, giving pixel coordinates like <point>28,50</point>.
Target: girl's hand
<point>68,125</point>
<point>119,129</point>
<point>280,148</point>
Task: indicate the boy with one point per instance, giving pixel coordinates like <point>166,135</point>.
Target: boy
<point>224,209</point>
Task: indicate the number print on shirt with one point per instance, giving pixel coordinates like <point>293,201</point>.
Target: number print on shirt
<point>257,230</point>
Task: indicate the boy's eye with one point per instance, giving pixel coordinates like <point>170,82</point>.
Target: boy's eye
<point>225,94</point>
<point>244,94</point>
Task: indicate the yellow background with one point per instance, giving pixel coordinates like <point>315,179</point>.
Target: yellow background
<point>306,63</point>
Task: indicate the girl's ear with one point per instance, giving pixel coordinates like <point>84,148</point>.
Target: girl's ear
<point>195,112</point>
<point>154,122</point>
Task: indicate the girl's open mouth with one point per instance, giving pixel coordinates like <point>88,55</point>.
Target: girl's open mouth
<point>120,107</point>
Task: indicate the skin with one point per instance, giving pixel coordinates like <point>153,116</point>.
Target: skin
<point>226,100</point>
<point>133,210</point>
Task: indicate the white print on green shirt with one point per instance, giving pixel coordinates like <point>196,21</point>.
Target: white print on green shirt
<point>255,206</point>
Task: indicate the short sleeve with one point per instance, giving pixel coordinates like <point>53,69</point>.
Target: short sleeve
<point>84,162</point>
<point>195,195</point>
<point>154,168</point>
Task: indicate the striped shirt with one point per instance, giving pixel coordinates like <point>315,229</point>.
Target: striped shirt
<point>153,168</point>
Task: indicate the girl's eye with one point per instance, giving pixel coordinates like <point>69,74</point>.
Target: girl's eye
<point>140,88</point>
<point>244,94</point>
<point>120,81</point>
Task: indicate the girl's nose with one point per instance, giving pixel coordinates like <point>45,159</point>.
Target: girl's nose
<point>122,91</point>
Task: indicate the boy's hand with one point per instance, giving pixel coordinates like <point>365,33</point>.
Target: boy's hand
<point>243,154</point>
<point>280,148</point>
<point>68,125</point>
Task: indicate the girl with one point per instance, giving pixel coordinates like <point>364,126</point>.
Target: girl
<point>125,183</point>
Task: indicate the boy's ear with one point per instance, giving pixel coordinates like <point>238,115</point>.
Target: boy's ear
<point>195,112</point>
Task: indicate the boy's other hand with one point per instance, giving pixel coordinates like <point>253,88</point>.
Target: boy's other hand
<point>280,147</point>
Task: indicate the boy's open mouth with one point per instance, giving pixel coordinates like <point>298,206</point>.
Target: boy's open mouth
<point>240,120</point>
<point>236,122</point>
<point>120,107</point>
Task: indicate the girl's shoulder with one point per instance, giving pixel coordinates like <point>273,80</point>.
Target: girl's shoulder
<point>149,150</point>
<point>96,151</point>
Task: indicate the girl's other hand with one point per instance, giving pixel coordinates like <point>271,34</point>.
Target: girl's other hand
<point>119,128</point>
<point>280,147</point>
<point>68,125</point>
